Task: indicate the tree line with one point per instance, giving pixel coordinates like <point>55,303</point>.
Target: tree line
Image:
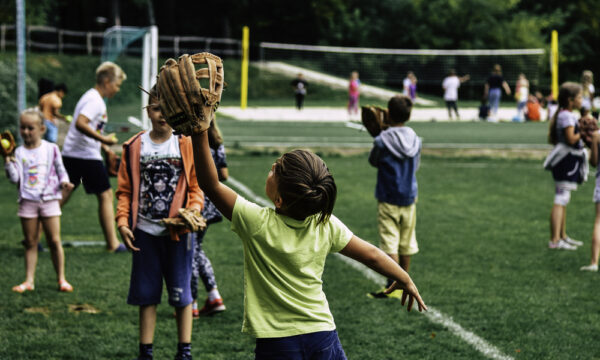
<point>411,24</point>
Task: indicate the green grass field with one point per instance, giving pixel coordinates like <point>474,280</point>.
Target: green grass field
<point>484,263</point>
<point>482,230</point>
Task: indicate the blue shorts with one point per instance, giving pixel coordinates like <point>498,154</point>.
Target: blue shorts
<point>160,257</point>
<point>322,345</point>
<point>51,131</point>
<point>91,173</point>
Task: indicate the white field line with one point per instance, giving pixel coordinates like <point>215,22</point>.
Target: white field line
<point>432,314</point>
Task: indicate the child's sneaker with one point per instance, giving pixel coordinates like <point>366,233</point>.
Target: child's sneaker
<point>397,294</point>
<point>212,307</point>
<point>593,268</point>
<point>561,245</point>
<point>573,242</point>
<point>65,287</point>
<point>183,357</point>
<point>21,288</point>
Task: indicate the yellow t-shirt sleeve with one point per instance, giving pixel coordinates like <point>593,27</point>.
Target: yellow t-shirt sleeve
<point>247,217</point>
<point>340,234</point>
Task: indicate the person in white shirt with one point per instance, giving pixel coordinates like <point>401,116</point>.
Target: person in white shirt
<point>81,149</point>
<point>450,85</point>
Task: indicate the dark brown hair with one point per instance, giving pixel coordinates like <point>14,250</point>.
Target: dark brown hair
<point>305,185</point>
<point>567,91</point>
<point>399,108</point>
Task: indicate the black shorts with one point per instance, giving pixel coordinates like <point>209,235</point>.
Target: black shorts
<point>451,104</point>
<point>91,173</point>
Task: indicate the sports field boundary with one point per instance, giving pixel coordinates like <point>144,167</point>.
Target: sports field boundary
<point>432,314</point>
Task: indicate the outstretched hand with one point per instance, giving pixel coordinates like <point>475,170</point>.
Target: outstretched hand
<point>409,292</point>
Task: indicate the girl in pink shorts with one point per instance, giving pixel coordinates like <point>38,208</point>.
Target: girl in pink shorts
<point>37,169</point>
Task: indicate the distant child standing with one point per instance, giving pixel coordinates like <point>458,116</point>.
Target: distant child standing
<point>450,85</point>
<point>299,84</point>
<point>353,93</point>
<point>567,161</point>
<point>521,95</point>
<point>285,251</point>
<point>201,265</point>
<point>396,154</point>
<point>156,178</point>
<point>595,161</point>
<point>493,90</point>
<point>38,171</point>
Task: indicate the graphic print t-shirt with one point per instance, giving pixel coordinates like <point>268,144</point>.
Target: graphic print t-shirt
<point>77,144</point>
<point>35,172</point>
<point>160,168</point>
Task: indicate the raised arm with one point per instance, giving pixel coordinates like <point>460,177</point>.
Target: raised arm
<point>220,194</point>
<point>377,260</point>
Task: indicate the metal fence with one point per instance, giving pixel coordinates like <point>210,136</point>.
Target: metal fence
<point>51,39</point>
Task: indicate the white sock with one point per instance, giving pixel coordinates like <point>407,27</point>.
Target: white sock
<point>213,294</point>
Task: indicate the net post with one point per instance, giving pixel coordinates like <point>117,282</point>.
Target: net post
<point>554,63</point>
<point>244,80</point>
<point>21,94</point>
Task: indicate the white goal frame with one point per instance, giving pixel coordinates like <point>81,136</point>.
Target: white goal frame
<point>149,66</point>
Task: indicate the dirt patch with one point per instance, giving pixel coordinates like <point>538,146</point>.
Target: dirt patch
<point>38,310</point>
<point>83,308</point>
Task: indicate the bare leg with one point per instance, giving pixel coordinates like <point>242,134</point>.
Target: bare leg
<point>184,323</point>
<point>106,214</point>
<point>52,231</point>
<point>563,227</point>
<point>596,237</point>
<point>147,323</point>
<point>30,230</point>
<point>556,222</point>
<point>405,262</point>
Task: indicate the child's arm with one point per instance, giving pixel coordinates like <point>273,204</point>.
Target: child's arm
<point>570,135</point>
<point>83,125</point>
<point>221,195</point>
<point>61,172</point>
<point>379,261</point>
<point>594,148</point>
<point>506,87</point>
<point>123,195</point>
<point>12,169</point>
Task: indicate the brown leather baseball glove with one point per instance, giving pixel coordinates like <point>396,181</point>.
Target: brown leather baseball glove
<point>189,218</point>
<point>8,144</point>
<point>374,119</point>
<point>186,105</point>
<point>587,127</point>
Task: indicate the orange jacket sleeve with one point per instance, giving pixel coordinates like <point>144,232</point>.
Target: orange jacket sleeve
<point>123,193</point>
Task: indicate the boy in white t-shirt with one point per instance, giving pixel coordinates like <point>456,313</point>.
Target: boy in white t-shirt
<point>450,85</point>
<point>81,149</point>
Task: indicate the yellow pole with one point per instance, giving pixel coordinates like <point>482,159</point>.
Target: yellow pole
<point>245,52</point>
<point>554,63</point>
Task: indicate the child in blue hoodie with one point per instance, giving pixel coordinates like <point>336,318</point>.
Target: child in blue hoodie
<point>396,154</point>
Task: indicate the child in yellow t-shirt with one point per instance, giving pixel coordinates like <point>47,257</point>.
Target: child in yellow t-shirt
<point>285,250</point>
